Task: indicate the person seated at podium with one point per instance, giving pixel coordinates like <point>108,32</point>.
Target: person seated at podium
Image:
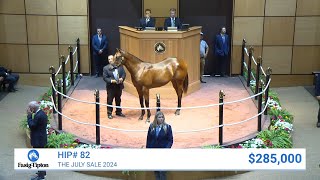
<point>172,21</point>
<point>147,20</point>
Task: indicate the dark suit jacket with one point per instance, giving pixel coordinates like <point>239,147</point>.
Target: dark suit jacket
<point>220,48</point>
<point>108,75</point>
<point>38,127</point>
<point>167,23</point>
<point>3,72</point>
<point>317,86</point>
<point>96,45</point>
<point>164,140</point>
<point>151,22</point>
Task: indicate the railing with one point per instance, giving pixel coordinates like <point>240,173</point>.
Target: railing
<point>260,78</point>
<point>261,90</point>
<point>74,53</point>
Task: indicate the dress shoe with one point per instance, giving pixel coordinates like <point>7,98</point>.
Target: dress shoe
<point>96,76</point>
<point>110,116</point>
<point>318,124</point>
<point>202,81</point>
<point>120,114</point>
<point>37,178</point>
<point>12,90</point>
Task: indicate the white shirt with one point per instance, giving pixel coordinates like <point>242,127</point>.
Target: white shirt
<point>37,111</point>
<point>116,74</point>
<point>100,38</point>
<point>173,22</point>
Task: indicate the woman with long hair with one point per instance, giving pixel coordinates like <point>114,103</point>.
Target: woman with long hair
<point>159,136</point>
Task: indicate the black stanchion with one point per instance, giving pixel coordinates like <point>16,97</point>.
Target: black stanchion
<point>53,77</point>
<point>158,102</point>
<point>71,64</point>
<point>242,55</point>
<point>260,108</point>
<point>266,96</point>
<point>221,96</point>
<point>59,107</point>
<point>258,76</point>
<point>64,84</point>
<point>78,56</point>
<point>96,94</point>
<point>249,66</point>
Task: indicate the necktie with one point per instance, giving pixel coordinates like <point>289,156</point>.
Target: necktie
<point>173,23</point>
<point>147,20</point>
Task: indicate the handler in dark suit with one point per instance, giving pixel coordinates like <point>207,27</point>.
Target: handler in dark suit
<point>147,21</point>
<point>99,46</point>
<point>38,130</point>
<point>221,49</point>
<point>114,76</point>
<point>159,136</point>
<point>172,21</point>
<point>9,78</point>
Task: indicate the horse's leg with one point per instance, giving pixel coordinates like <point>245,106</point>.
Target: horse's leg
<point>141,103</point>
<point>146,98</point>
<point>178,87</point>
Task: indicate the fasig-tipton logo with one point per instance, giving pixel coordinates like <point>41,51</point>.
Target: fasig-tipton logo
<point>160,47</point>
<point>33,156</point>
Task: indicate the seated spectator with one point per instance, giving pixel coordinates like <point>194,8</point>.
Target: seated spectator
<point>9,78</point>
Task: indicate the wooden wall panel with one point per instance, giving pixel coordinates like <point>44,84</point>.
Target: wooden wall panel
<point>291,80</point>
<point>249,7</point>
<point>14,57</point>
<point>278,58</point>
<point>12,6</point>
<point>41,7</point>
<point>278,30</point>
<point>160,8</point>
<point>250,28</point>
<point>72,7</point>
<point>42,57</point>
<point>35,79</point>
<point>307,31</point>
<point>13,29</point>
<point>308,7</point>
<point>84,53</point>
<point>72,27</point>
<point>160,22</point>
<point>305,59</point>
<point>42,29</point>
<point>280,7</point>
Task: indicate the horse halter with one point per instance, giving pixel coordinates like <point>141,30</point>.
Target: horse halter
<point>119,58</point>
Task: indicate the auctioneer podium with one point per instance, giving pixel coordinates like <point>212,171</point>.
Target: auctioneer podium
<point>155,46</point>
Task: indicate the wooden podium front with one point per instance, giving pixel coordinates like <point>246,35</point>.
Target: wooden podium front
<point>180,44</point>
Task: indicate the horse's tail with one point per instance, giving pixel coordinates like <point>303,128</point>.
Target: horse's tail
<point>186,84</point>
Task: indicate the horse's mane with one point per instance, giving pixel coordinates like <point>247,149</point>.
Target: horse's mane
<point>133,56</point>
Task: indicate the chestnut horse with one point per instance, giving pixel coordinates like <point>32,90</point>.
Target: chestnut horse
<point>145,76</point>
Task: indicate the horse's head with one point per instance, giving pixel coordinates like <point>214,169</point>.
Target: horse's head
<point>119,57</point>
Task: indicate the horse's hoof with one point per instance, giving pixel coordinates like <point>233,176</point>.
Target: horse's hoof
<point>177,113</point>
<point>140,118</point>
<point>148,120</point>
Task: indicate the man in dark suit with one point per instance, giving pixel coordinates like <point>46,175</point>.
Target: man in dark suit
<point>221,49</point>
<point>172,21</point>
<point>114,76</point>
<point>147,21</point>
<point>38,130</point>
<point>9,78</point>
<point>99,46</point>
